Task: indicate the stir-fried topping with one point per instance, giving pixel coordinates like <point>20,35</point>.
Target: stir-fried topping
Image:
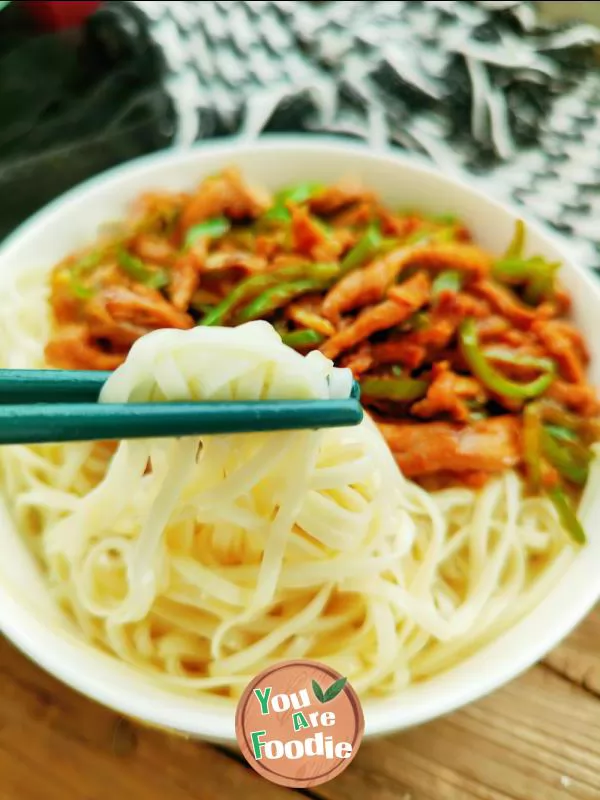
<point>466,360</point>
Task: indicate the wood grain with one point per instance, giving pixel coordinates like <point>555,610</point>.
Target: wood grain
<point>578,658</point>
<point>536,739</point>
<point>57,745</point>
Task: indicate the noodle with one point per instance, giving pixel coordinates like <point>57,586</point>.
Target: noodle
<point>202,562</point>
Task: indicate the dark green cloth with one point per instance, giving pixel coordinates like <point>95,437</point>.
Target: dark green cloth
<point>72,104</point>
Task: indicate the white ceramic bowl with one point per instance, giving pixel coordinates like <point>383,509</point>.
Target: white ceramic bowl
<point>31,621</point>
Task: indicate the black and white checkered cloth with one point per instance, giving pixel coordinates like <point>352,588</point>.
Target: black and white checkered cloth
<point>475,85</point>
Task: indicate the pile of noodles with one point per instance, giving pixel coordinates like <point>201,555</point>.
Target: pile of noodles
<point>202,561</point>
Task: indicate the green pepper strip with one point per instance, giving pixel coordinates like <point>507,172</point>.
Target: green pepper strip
<point>295,194</point>
<point>519,270</point>
<point>396,389</point>
<point>567,515</point>
<point>275,297</point>
<point>252,286</point>
<point>561,433</point>
<point>580,428</point>
<point>81,292</point>
<point>366,247</point>
<point>419,321</point>
<point>449,281</point>
<point>515,248</point>
<point>521,359</point>
<point>136,269</point>
<point>420,236</point>
<point>571,463</point>
<point>578,452</point>
<point>210,228</point>
<point>388,243</point>
<point>84,264</point>
<point>302,338</point>
<point>426,236</point>
<point>537,273</point>
<point>541,285</point>
<point>557,415</point>
<point>535,446</point>
<point>444,235</point>
<point>489,376</point>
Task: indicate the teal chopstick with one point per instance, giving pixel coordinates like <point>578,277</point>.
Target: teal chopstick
<point>50,385</point>
<point>27,418</point>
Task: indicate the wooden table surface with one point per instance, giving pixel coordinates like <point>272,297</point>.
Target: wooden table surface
<point>536,739</point>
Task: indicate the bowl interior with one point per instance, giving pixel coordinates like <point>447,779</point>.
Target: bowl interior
<point>40,630</point>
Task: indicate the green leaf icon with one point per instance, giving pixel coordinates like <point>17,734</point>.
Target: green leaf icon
<point>318,692</point>
<point>335,688</point>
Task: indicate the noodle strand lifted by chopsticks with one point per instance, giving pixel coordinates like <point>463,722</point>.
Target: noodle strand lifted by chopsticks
<point>201,563</point>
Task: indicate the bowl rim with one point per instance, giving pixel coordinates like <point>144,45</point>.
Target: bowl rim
<point>215,725</point>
